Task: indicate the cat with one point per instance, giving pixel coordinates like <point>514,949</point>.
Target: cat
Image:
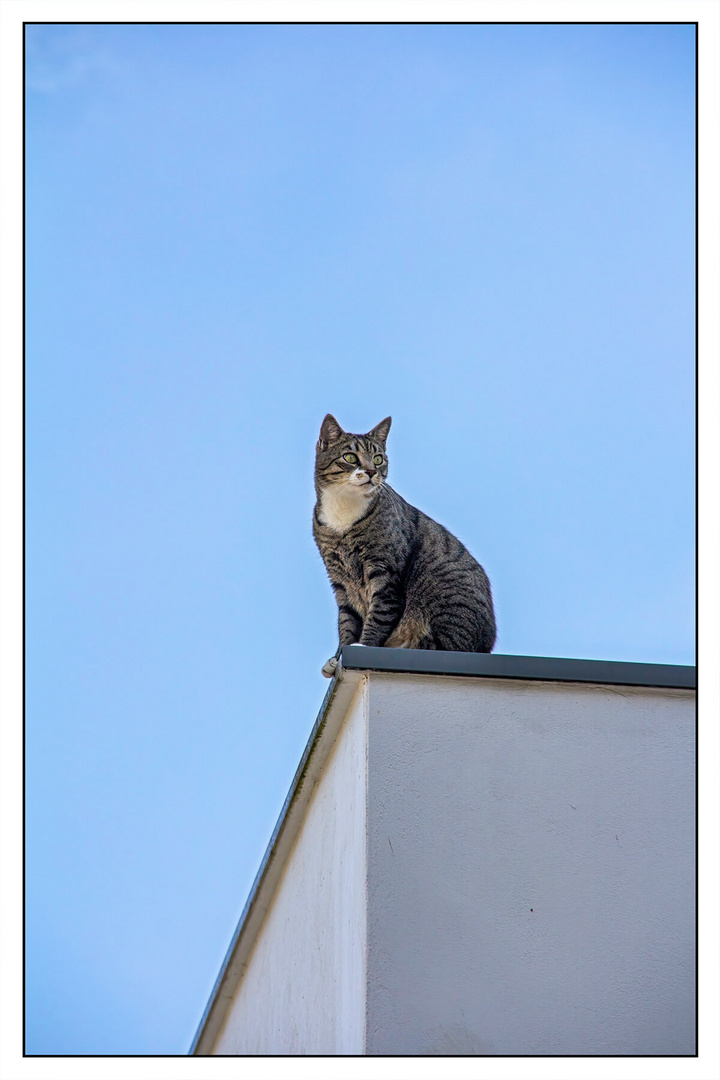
<point>400,579</point>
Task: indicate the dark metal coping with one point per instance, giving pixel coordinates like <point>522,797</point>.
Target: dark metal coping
<point>495,666</point>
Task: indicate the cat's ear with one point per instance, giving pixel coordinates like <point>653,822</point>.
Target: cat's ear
<point>329,432</point>
<point>380,432</point>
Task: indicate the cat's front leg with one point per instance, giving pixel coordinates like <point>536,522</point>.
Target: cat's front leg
<point>386,608</point>
<point>350,627</point>
<point>350,623</point>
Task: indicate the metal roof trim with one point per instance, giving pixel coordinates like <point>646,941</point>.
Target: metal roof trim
<point>499,666</point>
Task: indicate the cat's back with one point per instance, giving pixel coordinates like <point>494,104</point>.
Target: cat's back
<point>449,588</point>
<point>439,544</point>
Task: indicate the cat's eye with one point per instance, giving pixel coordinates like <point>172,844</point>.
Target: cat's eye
<point>378,459</point>
<point>350,458</point>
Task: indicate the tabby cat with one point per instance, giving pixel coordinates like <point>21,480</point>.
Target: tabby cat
<point>399,578</point>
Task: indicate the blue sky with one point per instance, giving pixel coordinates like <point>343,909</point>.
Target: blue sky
<point>486,232</point>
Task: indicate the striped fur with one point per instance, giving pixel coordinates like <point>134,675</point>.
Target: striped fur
<point>399,578</point>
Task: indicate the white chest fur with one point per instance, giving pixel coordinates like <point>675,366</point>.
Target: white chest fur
<point>342,506</point>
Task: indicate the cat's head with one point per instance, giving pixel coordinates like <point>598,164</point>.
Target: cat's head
<point>352,463</point>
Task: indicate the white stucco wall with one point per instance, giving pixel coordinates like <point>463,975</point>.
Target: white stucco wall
<point>486,866</point>
<point>530,868</point>
<point>303,991</point>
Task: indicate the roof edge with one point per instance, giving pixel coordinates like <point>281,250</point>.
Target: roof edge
<point>355,662</point>
<point>499,666</point>
<point>317,750</point>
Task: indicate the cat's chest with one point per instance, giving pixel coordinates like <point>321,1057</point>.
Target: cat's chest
<point>339,510</point>
<point>348,558</point>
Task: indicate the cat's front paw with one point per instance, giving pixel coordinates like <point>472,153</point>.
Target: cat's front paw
<point>328,668</point>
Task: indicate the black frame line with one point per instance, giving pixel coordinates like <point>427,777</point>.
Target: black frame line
<point>489,665</point>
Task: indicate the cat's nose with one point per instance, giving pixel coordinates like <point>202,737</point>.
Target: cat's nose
<point>370,472</point>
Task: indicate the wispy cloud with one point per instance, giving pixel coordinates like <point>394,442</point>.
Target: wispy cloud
<point>61,57</point>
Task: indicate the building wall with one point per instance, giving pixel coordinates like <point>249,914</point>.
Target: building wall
<point>303,991</point>
<point>530,868</point>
